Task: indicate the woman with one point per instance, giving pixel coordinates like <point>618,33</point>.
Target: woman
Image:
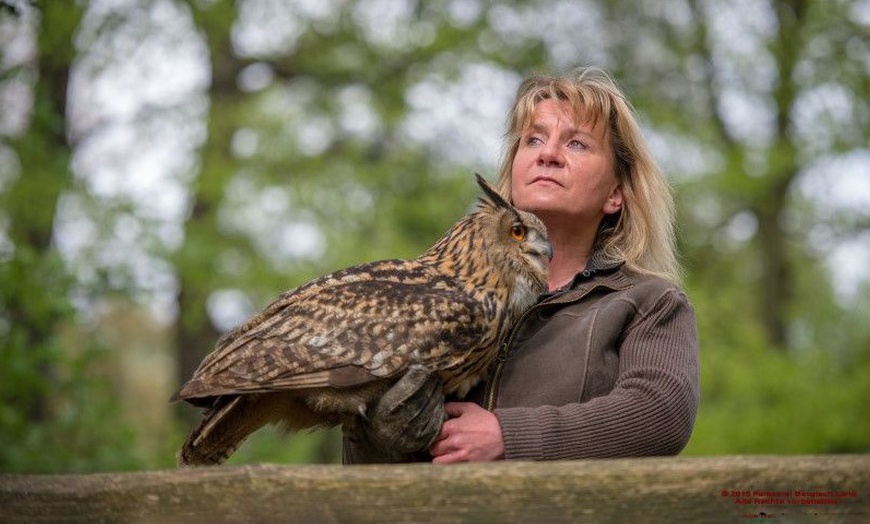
<point>606,364</point>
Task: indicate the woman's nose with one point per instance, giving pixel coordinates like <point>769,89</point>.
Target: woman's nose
<point>550,155</point>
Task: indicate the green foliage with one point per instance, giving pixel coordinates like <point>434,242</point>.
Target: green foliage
<point>56,413</point>
<point>807,398</point>
<point>272,444</point>
<point>757,401</point>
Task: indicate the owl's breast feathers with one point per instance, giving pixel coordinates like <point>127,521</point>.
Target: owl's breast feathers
<point>354,326</point>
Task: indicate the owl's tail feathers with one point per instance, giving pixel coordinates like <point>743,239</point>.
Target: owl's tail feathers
<point>224,428</point>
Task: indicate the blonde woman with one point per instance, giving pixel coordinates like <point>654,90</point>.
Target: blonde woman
<point>606,363</point>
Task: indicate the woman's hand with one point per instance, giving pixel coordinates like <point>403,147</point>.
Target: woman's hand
<point>470,434</point>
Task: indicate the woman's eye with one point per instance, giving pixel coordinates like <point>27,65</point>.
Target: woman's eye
<point>533,141</point>
<point>576,144</point>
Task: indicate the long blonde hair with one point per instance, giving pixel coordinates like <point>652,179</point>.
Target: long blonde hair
<point>642,232</point>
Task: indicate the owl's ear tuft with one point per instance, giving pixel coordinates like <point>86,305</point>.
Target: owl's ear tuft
<point>490,195</point>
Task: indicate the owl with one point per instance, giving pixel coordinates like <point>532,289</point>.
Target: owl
<point>323,353</point>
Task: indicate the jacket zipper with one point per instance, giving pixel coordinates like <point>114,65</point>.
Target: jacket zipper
<point>502,358</point>
<point>496,376</point>
<point>504,350</point>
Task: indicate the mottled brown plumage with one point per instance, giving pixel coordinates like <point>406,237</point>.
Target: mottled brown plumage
<point>324,352</point>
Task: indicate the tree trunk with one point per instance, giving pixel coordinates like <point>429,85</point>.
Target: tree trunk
<point>778,280</point>
<point>31,202</point>
<point>195,263</point>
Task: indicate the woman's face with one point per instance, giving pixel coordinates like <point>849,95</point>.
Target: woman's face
<point>564,169</point>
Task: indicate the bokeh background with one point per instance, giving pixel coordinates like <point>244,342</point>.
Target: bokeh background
<point>168,167</point>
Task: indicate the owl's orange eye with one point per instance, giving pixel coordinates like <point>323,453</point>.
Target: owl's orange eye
<point>518,232</point>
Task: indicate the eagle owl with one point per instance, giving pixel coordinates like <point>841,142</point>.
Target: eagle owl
<point>324,352</point>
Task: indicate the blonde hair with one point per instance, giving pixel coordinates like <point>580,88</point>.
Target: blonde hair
<point>642,232</point>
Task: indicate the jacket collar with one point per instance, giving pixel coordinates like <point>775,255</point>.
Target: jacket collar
<point>598,265</point>
<point>599,261</point>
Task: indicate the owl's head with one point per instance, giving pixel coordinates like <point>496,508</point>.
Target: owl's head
<point>517,239</point>
<point>497,248</point>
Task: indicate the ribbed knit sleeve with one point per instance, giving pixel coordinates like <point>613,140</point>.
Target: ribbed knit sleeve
<point>650,411</point>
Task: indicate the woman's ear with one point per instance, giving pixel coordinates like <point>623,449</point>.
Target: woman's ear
<point>614,201</point>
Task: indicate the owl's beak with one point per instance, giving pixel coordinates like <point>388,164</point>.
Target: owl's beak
<point>541,248</point>
<point>548,251</point>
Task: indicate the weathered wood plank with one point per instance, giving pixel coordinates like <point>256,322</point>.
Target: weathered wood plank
<point>793,488</point>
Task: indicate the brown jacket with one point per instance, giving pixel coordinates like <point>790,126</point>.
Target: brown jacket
<point>608,368</point>
<point>605,368</point>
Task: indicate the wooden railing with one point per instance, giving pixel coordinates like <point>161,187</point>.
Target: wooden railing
<point>830,488</point>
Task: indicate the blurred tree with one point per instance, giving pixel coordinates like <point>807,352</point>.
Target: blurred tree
<point>48,396</point>
<point>196,261</point>
<point>32,197</point>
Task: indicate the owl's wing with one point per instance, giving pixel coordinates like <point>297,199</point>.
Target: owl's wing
<point>343,332</point>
